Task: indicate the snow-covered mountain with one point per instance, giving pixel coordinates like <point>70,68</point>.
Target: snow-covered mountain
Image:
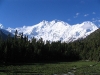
<point>57,30</point>
<point>1,26</point>
<point>4,33</point>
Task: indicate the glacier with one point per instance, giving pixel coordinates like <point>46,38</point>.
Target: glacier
<point>56,30</point>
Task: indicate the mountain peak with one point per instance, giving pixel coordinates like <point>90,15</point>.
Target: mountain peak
<point>88,22</point>
<point>57,30</point>
<point>53,22</point>
<point>1,26</point>
<point>88,25</point>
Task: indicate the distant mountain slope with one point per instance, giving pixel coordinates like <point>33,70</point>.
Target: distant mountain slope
<point>57,30</point>
<point>4,34</point>
<point>95,36</point>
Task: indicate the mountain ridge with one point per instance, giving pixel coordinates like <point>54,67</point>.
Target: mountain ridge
<point>57,30</point>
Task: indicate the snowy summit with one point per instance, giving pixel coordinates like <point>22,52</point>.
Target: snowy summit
<point>57,30</point>
<point>1,26</point>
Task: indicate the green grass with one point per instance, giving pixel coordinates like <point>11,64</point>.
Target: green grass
<point>52,68</point>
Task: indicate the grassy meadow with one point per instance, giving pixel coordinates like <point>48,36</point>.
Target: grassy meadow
<point>78,68</point>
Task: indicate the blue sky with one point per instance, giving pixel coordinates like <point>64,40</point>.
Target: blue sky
<point>17,13</point>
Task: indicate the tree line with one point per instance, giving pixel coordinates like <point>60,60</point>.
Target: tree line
<point>21,50</point>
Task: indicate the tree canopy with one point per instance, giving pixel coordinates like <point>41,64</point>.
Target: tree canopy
<point>21,50</point>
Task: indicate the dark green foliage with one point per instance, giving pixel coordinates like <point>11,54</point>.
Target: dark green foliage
<point>20,50</point>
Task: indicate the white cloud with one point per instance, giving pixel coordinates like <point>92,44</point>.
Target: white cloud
<point>86,15</point>
<point>69,19</point>
<point>93,13</point>
<point>76,15</point>
<point>98,20</point>
<point>95,20</point>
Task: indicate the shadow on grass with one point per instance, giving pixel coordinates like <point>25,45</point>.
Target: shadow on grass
<point>33,63</point>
